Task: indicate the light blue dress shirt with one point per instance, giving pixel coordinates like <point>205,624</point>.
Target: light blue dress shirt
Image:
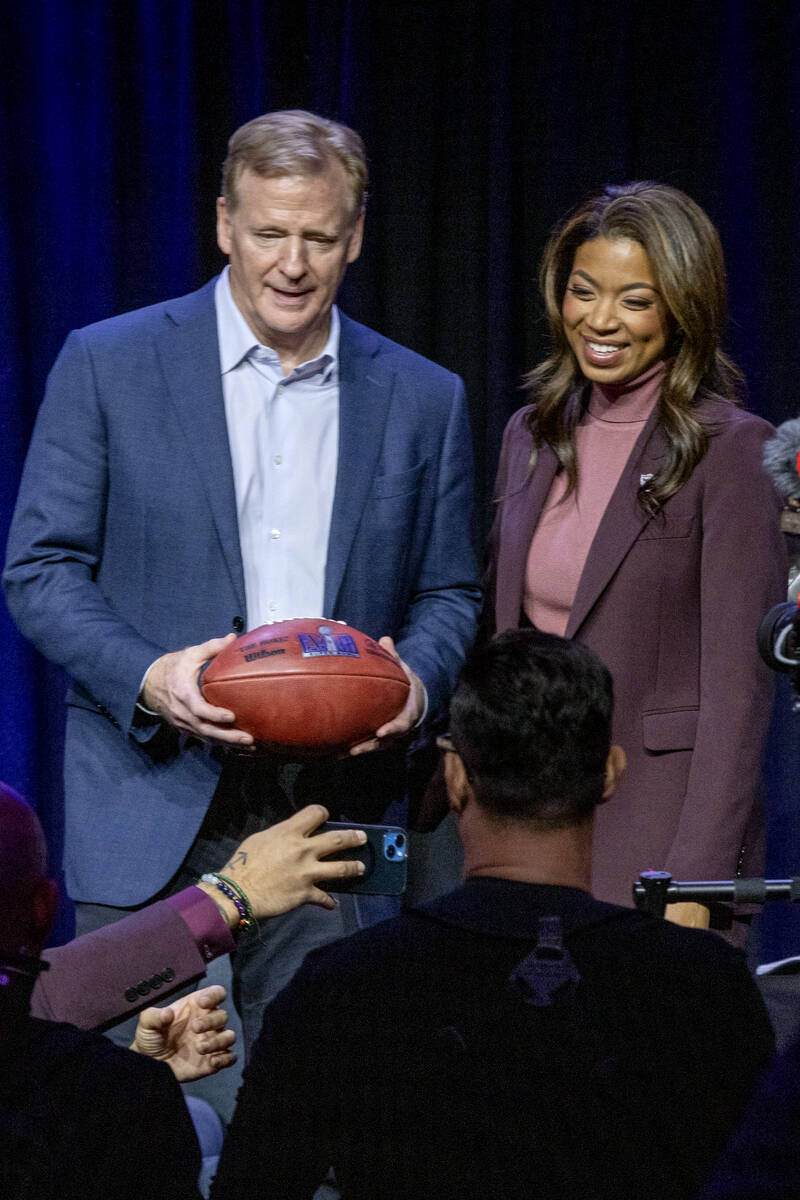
<point>283,433</point>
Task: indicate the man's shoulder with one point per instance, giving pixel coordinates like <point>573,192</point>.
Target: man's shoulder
<point>113,1122</point>
<point>359,340</point>
<point>356,965</point>
<point>60,1049</point>
<point>64,1061</point>
<point>604,936</point>
<point>381,939</point>
<point>663,945</point>
<point>192,306</point>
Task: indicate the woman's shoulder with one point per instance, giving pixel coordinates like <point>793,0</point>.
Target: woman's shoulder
<point>727,420</point>
<point>518,423</point>
<point>516,453</point>
<point>736,440</point>
<point>517,437</point>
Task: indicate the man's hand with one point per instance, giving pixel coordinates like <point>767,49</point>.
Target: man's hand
<point>409,714</point>
<point>189,1035</point>
<point>171,690</point>
<point>692,916</point>
<point>279,868</point>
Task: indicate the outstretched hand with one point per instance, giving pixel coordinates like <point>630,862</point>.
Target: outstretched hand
<point>409,714</point>
<point>190,1035</point>
<point>171,690</point>
<point>279,868</point>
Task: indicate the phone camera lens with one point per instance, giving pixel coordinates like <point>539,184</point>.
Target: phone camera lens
<point>400,840</point>
<point>390,851</point>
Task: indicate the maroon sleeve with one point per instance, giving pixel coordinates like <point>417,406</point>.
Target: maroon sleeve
<point>105,976</point>
<point>511,434</point>
<point>743,573</point>
<point>200,913</point>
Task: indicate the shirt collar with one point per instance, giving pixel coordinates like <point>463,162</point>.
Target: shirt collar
<point>237,340</point>
<point>510,908</point>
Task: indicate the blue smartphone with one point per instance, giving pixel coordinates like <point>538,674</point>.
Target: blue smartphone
<point>384,854</point>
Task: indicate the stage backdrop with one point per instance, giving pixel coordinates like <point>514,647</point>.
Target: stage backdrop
<point>484,122</point>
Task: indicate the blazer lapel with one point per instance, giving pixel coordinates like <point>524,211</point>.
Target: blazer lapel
<point>365,389</point>
<point>620,525</point>
<point>188,348</point>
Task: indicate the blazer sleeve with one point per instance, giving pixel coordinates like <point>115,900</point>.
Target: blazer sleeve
<point>441,616</point>
<point>508,548</point>
<point>102,978</point>
<point>55,544</point>
<point>743,573</point>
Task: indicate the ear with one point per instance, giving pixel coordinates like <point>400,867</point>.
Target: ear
<point>356,238</point>
<point>36,921</point>
<point>615,768</point>
<point>44,904</point>
<point>459,792</point>
<point>223,226</point>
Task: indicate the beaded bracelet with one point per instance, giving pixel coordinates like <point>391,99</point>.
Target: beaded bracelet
<point>240,892</point>
<point>242,906</point>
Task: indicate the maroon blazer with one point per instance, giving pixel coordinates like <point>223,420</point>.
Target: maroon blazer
<point>106,976</point>
<point>671,604</point>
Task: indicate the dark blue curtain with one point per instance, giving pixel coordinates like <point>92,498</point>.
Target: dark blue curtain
<point>484,122</point>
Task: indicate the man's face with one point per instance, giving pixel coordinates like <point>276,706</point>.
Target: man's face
<point>289,240</point>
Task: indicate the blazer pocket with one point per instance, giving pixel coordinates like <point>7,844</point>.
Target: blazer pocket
<point>399,483</point>
<point>673,729</point>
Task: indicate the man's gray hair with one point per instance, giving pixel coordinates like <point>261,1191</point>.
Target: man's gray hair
<point>294,142</point>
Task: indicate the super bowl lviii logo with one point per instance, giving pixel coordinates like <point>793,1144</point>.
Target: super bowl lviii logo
<point>327,644</point>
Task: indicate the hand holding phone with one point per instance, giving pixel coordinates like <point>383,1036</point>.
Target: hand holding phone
<point>385,857</point>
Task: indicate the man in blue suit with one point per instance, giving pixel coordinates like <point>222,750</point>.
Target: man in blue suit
<point>242,454</point>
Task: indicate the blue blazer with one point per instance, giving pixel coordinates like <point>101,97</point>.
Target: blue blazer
<point>124,545</point>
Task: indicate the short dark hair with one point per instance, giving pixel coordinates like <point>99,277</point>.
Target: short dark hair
<point>531,719</point>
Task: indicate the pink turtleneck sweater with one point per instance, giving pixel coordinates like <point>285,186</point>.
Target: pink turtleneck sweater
<point>561,541</point>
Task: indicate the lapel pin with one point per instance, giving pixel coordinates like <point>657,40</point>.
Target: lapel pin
<point>643,479</point>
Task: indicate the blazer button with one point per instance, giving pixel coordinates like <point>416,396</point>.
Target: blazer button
<point>238,625</point>
<point>143,988</point>
<point>168,975</point>
<point>131,995</point>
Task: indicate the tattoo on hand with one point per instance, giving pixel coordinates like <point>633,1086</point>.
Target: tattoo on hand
<point>239,858</point>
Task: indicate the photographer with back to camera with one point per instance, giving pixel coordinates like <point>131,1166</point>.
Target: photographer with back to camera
<point>516,1037</point>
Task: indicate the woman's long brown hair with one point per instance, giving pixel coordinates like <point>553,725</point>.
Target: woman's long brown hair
<point>685,254</point>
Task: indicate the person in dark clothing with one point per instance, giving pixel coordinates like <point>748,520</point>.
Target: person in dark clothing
<point>79,1117</point>
<point>516,1037</point>
<point>761,1161</point>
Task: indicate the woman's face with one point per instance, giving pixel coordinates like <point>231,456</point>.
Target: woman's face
<point>614,316</point>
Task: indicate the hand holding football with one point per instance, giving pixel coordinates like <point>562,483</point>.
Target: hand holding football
<point>306,686</point>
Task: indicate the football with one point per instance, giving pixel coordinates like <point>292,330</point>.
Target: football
<point>306,686</point>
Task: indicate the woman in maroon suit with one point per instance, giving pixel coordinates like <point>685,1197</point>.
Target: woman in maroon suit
<point>633,514</point>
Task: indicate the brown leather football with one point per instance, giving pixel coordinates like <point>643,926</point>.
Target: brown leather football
<point>306,686</point>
